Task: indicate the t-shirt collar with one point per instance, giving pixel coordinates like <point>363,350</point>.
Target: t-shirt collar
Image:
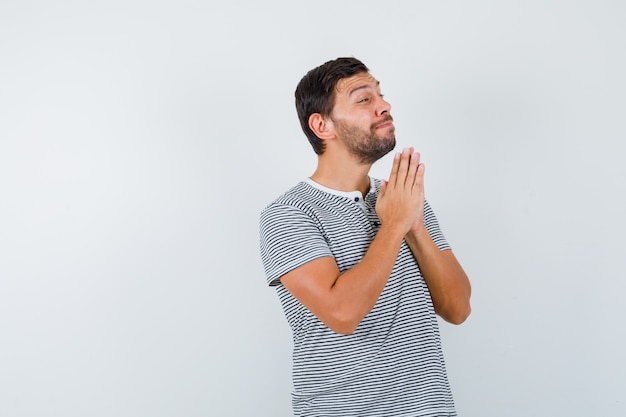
<point>354,196</point>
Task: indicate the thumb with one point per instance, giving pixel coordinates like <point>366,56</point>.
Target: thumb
<point>383,187</point>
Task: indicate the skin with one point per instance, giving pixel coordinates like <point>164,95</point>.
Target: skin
<point>360,123</point>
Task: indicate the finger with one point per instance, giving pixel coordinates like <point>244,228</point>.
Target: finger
<point>419,176</point>
<point>403,168</point>
<point>412,170</point>
<point>393,176</point>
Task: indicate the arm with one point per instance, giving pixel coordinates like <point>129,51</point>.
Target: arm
<point>448,284</point>
<point>341,300</point>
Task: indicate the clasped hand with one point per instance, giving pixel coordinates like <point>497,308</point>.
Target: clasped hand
<point>401,198</point>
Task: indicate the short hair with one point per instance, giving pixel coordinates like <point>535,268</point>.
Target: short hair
<point>315,93</point>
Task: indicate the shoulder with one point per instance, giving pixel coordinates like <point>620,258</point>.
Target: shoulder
<point>297,206</point>
<point>293,194</point>
<point>292,199</point>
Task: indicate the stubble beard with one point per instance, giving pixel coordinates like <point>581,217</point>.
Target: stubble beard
<point>367,146</point>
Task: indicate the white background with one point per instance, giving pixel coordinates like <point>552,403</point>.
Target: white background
<point>140,139</point>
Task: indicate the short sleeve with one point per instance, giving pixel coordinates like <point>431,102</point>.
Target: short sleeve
<point>288,239</point>
<point>432,225</point>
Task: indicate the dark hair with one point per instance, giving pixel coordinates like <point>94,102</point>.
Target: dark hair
<point>316,93</point>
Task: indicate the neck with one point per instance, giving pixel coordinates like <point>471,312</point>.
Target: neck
<point>343,175</point>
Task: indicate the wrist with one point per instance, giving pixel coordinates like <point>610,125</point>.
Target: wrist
<point>418,233</point>
<point>392,231</point>
<point>418,228</point>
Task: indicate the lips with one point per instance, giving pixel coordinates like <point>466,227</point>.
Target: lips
<point>386,122</point>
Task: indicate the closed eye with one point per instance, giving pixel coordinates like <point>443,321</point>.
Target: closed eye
<point>366,99</point>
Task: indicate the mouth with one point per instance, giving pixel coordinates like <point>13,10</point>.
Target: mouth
<point>384,125</point>
<point>387,122</point>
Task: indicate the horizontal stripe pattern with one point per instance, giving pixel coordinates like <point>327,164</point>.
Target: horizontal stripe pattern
<point>393,364</point>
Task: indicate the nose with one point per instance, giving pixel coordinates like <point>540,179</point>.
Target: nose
<point>382,106</point>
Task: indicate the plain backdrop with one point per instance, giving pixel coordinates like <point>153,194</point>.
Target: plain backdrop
<point>139,141</point>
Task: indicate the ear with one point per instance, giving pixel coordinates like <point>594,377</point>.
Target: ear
<point>322,126</point>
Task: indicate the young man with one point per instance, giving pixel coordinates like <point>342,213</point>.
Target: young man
<point>360,265</point>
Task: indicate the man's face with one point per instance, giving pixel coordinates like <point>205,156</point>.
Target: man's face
<point>361,118</point>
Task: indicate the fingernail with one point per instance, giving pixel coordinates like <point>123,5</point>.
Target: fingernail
<point>397,155</point>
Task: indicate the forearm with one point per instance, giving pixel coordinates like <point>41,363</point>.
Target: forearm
<point>448,284</point>
<point>355,292</point>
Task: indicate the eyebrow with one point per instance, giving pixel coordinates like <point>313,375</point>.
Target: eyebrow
<point>361,87</point>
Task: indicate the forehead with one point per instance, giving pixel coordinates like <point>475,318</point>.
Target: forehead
<point>347,86</point>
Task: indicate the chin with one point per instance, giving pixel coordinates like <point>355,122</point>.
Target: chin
<point>389,143</point>
<point>386,146</point>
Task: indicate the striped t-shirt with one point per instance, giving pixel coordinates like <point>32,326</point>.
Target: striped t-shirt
<point>393,364</point>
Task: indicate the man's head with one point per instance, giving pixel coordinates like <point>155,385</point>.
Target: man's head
<point>342,96</point>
